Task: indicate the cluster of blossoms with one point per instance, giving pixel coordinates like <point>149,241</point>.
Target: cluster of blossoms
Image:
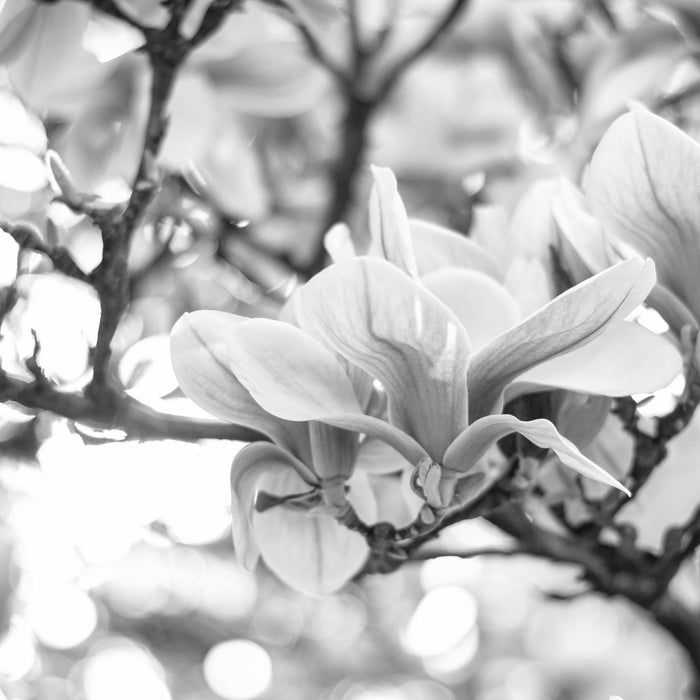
<point>394,367</point>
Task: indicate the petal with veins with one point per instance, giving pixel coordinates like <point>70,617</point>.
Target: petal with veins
<point>200,344</point>
<point>571,320</point>
<point>378,318</point>
<point>642,184</point>
<point>473,443</point>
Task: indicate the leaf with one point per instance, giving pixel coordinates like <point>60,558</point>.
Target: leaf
<point>252,464</point>
<point>642,184</point>
<point>571,320</point>
<point>624,359</point>
<point>401,335</point>
<point>311,553</point>
<point>199,347</point>
<point>388,223</point>
<point>473,443</point>
<point>483,305</point>
<point>437,247</point>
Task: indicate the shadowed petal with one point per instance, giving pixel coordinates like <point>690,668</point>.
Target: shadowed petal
<point>437,247</point>
<point>200,343</point>
<point>312,552</point>
<point>378,318</point>
<point>249,466</point>
<point>473,443</point>
<point>569,321</point>
<point>642,184</point>
<point>483,305</point>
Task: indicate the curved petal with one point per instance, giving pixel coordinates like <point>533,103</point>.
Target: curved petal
<point>293,376</point>
<point>625,359</point>
<point>400,334</point>
<point>199,346</point>
<point>378,457</point>
<point>567,322</point>
<point>483,305</point>
<point>338,243</point>
<point>643,183</point>
<point>437,247</point>
<point>249,467</point>
<point>289,373</point>
<point>473,443</point>
<point>388,223</point>
<point>333,450</point>
<point>310,552</point>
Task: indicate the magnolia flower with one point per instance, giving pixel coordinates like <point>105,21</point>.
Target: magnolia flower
<point>642,186</point>
<point>510,265</point>
<point>304,470</point>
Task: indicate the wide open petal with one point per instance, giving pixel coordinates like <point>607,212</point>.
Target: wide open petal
<point>483,305</point>
<point>436,247</point>
<point>388,223</point>
<point>293,376</point>
<point>378,318</point>
<point>473,443</point>
<point>199,344</point>
<point>249,467</point>
<point>567,322</point>
<point>642,184</point>
<point>624,359</point>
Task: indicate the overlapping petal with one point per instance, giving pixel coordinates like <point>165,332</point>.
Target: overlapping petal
<point>473,443</point>
<point>388,223</point>
<point>437,247</point>
<point>625,359</point>
<point>483,305</point>
<point>311,552</point>
<point>403,336</point>
<point>643,183</point>
<point>250,466</point>
<point>567,322</point>
<point>200,344</point>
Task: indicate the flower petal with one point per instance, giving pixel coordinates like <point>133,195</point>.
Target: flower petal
<point>642,184</point>
<point>388,223</point>
<point>289,373</point>
<point>338,243</point>
<point>567,322</point>
<point>311,553</point>
<point>437,247</point>
<point>483,305</point>
<point>333,450</point>
<point>250,465</point>
<point>378,318</point>
<point>199,345</point>
<point>378,457</point>
<point>625,359</point>
<point>473,443</point>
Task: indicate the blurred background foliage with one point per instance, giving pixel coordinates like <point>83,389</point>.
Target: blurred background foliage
<point>117,577</point>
